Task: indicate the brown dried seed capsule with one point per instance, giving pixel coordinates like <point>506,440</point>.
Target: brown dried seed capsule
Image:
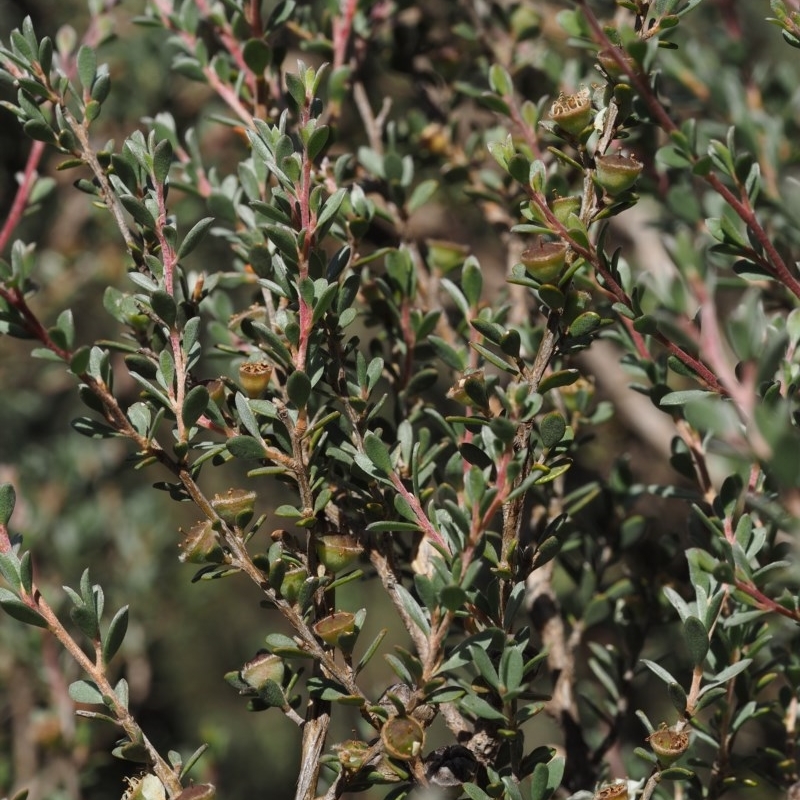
<point>572,112</point>
<point>615,791</point>
<point>668,744</point>
<point>254,377</point>
<point>403,738</point>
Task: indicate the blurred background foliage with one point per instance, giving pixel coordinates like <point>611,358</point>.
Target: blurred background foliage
<point>81,505</point>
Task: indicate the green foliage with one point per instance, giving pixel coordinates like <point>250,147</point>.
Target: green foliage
<point>291,327</point>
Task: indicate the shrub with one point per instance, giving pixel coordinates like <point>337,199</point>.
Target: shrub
<point>314,337</point>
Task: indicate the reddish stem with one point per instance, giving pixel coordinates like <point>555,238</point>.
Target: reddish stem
<point>23,193</point>
<point>764,602</point>
<point>419,513</point>
<point>742,207</point>
<point>342,25</point>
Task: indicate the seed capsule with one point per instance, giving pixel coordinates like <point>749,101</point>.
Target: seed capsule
<point>254,377</point>
<point>668,744</point>
<point>617,173</point>
<point>235,507</point>
<point>572,112</point>
<point>264,667</point>
<point>337,551</point>
<point>564,206</point>
<point>337,630</point>
<point>615,791</point>
<point>201,545</point>
<point>545,260</point>
<point>403,738</point>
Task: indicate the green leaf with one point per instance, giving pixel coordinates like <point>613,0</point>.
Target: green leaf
<point>474,792</point>
<point>85,617</point>
<point>391,526</point>
<point>564,377</point>
<point>85,692</point>
<point>478,707</point>
<point>511,669</point>
<point>538,785</point>
<point>192,760</point>
<point>87,66</point>
<point>371,650</point>
<point>194,405</point>
<point>683,397</point>
<point>21,612</point>
<point>39,130</point>
<point>494,359</point>
<point>677,697</point>
<point>330,208</point>
<point>696,639</point>
<point>552,428</point>
<point>245,447</point>
<point>284,239</point>
<point>26,573</point>
<point>317,141</point>
<point>659,671</point>
<point>195,236</point>
<point>137,753</point>
<point>137,209</point>
<point>164,306</point>
<point>122,692</point>
<point>115,635</point>
<point>413,609</point>
<point>257,55</point>
<point>378,453</point>
<point>472,281</point>
<point>93,429</point>
<point>298,388</point>
<point>246,415</point>
<point>731,672</point>
<point>162,161</point>
<point>676,774</point>
<point>421,194</point>
<point>484,666</point>
<point>500,80</point>
<point>8,497</point>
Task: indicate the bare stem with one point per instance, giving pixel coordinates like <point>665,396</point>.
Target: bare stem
<point>23,193</point>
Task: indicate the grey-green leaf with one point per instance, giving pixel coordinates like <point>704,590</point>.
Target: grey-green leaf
<point>87,66</point>
<point>164,306</point>
<point>298,387</point>
<point>194,405</point>
<point>696,639</point>
<point>195,236</point>
<point>245,447</point>
<point>115,634</point>
<point>552,428</point>
<point>85,692</point>
<point>21,612</point>
<point>162,160</point>
<point>677,696</point>
<point>86,619</point>
<point>378,453</point>
<point>8,498</point>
